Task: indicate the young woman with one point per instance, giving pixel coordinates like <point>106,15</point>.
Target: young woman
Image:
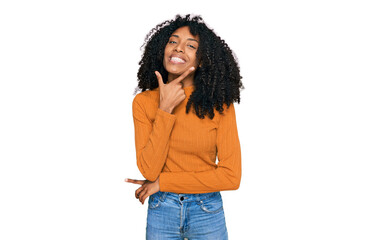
<point>183,118</point>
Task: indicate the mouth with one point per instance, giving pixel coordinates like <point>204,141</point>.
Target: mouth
<point>176,60</point>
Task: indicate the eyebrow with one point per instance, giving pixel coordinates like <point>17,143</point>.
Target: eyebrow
<point>192,39</point>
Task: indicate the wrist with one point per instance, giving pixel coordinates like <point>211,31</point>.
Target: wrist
<point>166,109</point>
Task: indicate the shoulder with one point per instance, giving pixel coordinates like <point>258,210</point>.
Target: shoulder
<point>227,109</point>
<point>227,114</point>
<point>145,99</point>
<point>146,96</point>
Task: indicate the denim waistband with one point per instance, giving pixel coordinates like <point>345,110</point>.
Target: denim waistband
<point>186,197</point>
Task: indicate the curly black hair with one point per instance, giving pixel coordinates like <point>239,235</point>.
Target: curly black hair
<point>216,82</point>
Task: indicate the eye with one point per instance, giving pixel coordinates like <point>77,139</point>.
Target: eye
<point>172,42</point>
<point>192,46</point>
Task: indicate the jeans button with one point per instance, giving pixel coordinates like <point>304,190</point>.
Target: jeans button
<point>181,198</point>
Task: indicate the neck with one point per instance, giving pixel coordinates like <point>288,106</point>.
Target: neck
<point>188,81</point>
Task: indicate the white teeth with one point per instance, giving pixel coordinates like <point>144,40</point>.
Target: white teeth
<point>176,59</point>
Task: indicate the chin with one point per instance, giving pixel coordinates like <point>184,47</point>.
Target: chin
<point>176,70</point>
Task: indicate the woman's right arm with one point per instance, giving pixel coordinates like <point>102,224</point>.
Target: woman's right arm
<point>151,138</point>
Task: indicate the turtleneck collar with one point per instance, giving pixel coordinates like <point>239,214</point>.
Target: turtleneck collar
<point>187,90</point>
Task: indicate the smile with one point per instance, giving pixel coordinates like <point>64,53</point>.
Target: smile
<point>176,60</point>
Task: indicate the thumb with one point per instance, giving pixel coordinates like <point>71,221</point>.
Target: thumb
<point>159,79</point>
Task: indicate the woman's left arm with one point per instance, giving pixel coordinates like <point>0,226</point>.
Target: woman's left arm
<point>227,175</point>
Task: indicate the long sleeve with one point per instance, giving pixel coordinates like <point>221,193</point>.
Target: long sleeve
<point>226,176</point>
<point>151,139</point>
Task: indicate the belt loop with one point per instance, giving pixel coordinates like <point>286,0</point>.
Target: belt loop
<point>197,197</point>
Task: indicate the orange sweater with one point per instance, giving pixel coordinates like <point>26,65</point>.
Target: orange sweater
<point>181,148</point>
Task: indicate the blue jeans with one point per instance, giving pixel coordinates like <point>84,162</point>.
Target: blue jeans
<point>186,216</point>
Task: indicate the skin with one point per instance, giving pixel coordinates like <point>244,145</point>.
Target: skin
<point>185,45</point>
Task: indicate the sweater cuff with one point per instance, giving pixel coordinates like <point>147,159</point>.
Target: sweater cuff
<point>162,182</point>
<point>165,114</point>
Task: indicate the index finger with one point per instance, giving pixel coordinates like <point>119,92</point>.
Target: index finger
<point>184,75</point>
<point>134,181</point>
<point>159,79</point>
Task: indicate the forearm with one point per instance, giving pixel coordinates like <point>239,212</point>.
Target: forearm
<point>152,144</point>
<point>220,179</point>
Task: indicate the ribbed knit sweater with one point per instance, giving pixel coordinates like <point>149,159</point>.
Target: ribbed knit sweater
<point>181,149</point>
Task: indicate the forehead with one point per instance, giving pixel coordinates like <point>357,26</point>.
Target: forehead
<point>184,32</point>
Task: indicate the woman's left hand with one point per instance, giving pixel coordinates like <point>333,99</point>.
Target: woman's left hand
<point>148,188</point>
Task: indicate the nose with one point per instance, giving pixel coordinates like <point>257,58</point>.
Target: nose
<point>179,48</point>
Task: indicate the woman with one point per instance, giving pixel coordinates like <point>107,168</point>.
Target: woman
<point>184,65</point>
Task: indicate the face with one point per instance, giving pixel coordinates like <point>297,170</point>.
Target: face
<point>180,51</point>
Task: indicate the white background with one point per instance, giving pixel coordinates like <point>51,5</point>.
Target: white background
<point>68,73</point>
